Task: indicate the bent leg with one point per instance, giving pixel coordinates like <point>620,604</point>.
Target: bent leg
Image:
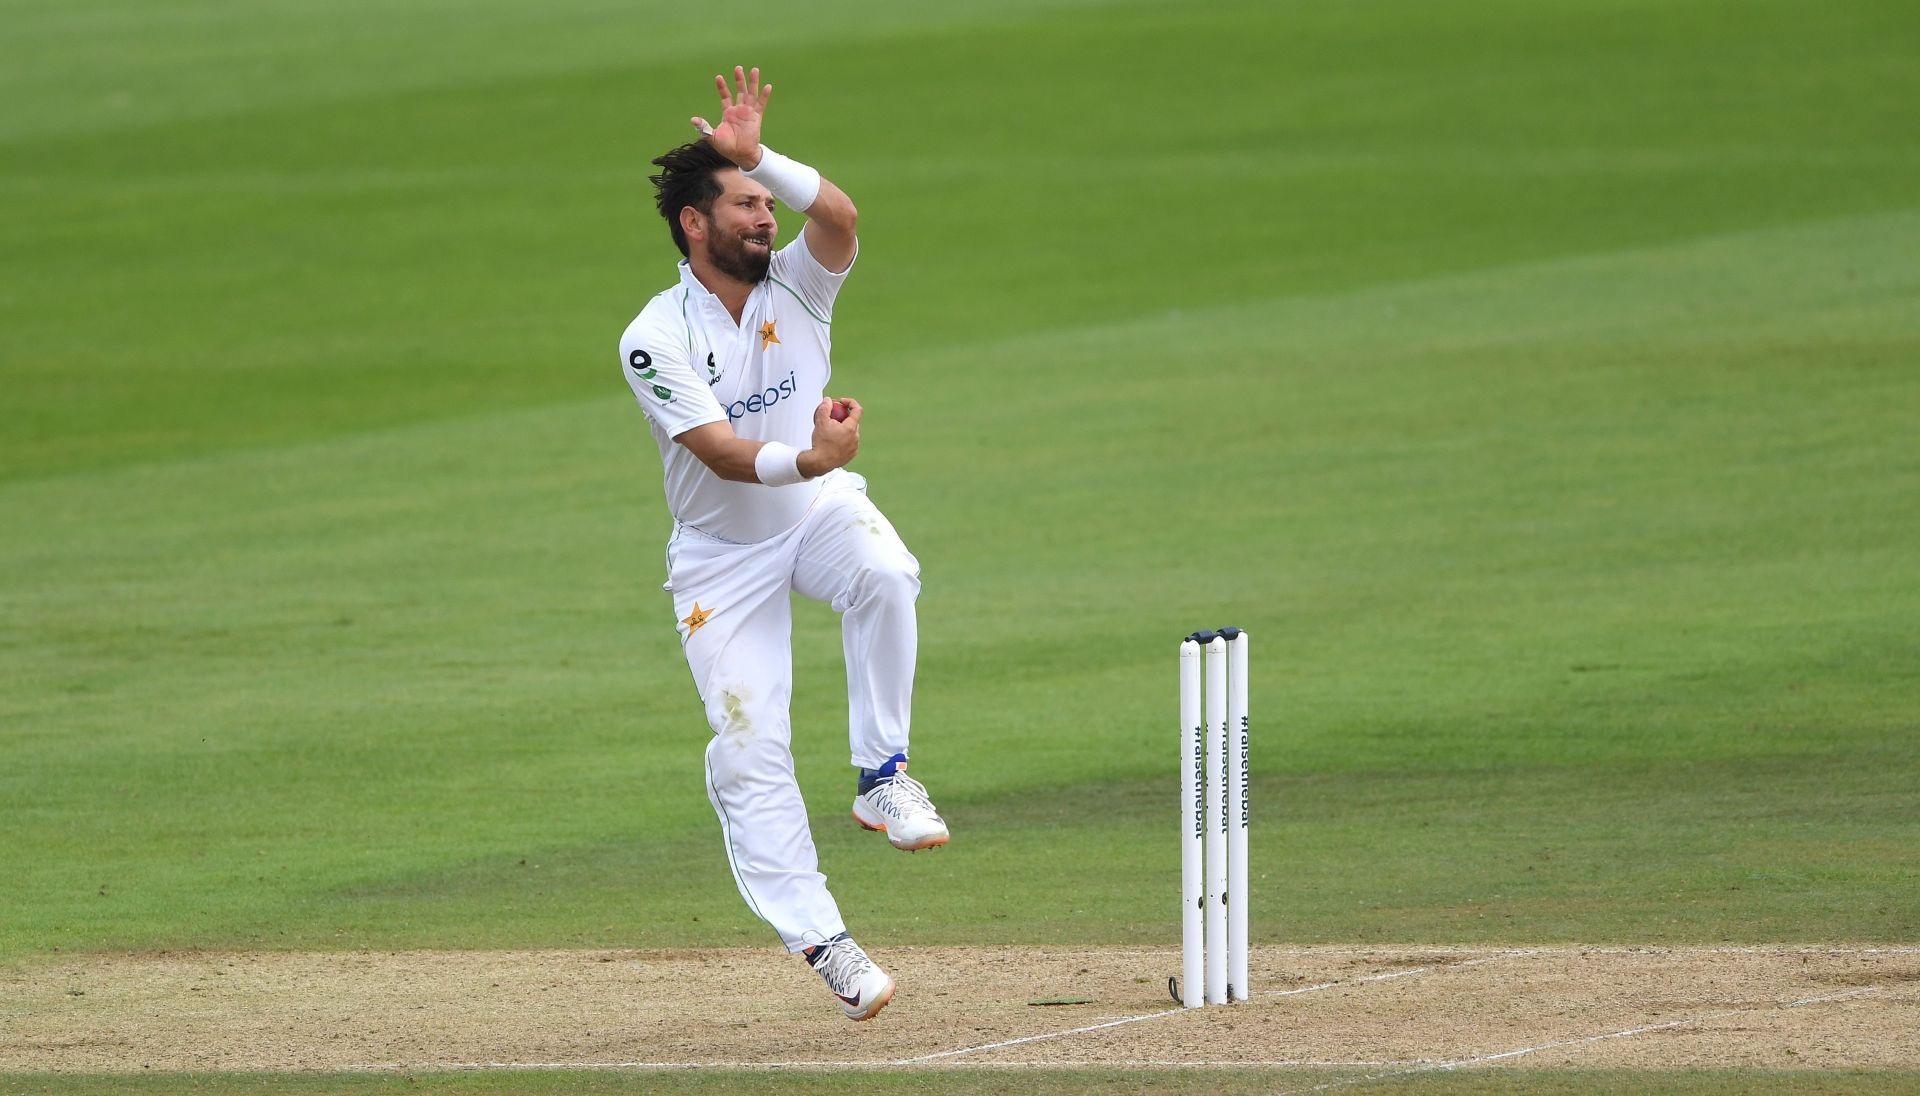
<point>851,557</point>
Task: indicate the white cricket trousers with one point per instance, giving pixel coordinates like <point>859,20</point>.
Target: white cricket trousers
<point>736,626</point>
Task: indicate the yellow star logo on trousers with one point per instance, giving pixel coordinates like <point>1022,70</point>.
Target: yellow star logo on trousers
<point>767,334</point>
<point>696,618</point>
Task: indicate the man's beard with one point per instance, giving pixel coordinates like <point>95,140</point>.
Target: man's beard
<point>731,256</point>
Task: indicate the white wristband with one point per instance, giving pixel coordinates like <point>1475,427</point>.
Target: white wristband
<point>778,464</point>
<point>791,181</point>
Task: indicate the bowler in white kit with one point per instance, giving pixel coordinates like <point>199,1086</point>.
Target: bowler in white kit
<point>731,367</point>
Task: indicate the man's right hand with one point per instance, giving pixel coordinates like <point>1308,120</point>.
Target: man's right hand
<point>835,443</point>
<point>737,137</point>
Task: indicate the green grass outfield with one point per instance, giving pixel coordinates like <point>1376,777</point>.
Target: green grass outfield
<point>1545,379</point>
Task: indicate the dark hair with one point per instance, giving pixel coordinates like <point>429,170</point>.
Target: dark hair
<point>686,179</point>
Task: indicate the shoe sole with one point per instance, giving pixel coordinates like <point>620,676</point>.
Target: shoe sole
<point>929,843</point>
<point>879,1003</point>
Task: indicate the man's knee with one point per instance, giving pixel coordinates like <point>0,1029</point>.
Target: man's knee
<point>890,581</point>
<point>740,714</point>
<point>750,759</point>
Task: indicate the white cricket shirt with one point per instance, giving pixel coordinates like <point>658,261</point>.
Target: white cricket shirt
<point>689,364</point>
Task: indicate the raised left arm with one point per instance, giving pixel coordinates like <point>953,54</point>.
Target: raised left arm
<point>831,216</point>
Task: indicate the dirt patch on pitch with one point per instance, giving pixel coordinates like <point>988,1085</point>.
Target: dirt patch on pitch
<point>1376,1009</point>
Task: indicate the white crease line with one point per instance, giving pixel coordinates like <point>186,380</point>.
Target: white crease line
<point>1840,996</point>
<point>1385,977</point>
<point>1389,976</point>
<point>1131,1020</point>
<point>1462,1063</point>
<point>1468,1063</point>
<point>1041,1038</point>
<point>1316,987</point>
<point>1630,1032</point>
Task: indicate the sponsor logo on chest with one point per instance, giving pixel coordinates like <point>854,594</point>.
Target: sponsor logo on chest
<point>762,400</point>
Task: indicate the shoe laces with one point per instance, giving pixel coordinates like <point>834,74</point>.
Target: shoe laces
<point>843,965</point>
<point>903,795</point>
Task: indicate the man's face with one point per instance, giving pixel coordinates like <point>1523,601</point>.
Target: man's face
<point>741,228</point>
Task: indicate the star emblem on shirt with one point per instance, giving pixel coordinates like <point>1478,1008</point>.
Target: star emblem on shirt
<point>696,618</point>
<point>767,334</point>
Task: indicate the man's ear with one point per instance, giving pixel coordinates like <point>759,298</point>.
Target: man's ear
<point>692,224</point>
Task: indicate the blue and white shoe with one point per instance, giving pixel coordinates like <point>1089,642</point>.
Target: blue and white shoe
<point>862,987</point>
<point>891,800</point>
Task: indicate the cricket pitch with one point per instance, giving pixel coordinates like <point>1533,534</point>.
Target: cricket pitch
<point>1384,1009</point>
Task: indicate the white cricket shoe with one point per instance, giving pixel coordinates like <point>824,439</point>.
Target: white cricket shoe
<point>898,804</point>
<point>863,988</point>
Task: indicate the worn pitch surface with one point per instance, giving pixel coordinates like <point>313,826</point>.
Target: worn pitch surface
<point>1394,1009</point>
